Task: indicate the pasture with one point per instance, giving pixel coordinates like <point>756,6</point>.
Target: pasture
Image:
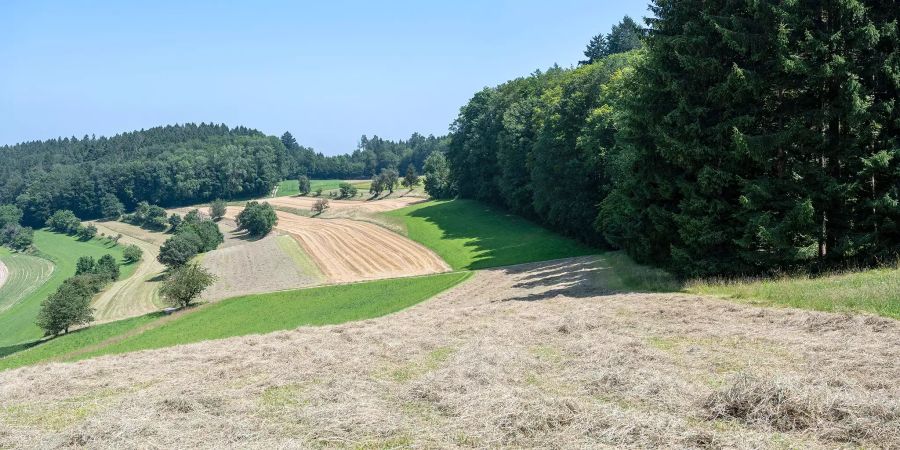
<point>472,235</point>
<point>254,314</point>
<point>17,321</point>
<point>20,275</point>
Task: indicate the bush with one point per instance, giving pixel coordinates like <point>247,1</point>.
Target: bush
<point>175,220</point>
<point>87,233</point>
<point>320,206</point>
<point>304,184</point>
<point>217,209</point>
<point>185,284</point>
<point>257,218</point>
<point>132,253</point>
<point>347,190</point>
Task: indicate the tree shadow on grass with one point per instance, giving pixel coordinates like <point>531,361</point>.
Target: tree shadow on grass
<point>497,237</point>
<point>10,349</point>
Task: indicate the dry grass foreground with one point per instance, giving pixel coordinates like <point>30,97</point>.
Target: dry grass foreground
<point>139,293</point>
<point>348,250</point>
<point>534,355</point>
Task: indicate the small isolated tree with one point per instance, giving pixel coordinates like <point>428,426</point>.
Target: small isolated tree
<point>185,284</point>
<point>88,232</point>
<point>110,207</point>
<point>389,178</point>
<point>410,180</point>
<point>376,187</point>
<point>177,251</point>
<point>257,218</point>
<point>347,190</point>
<point>132,253</point>
<point>304,184</point>
<point>85,264</point>
<point>174,221</point>
<point>69,305</point>
<point>107,267</point>
<point>217,209</point>
<point>320,206</point>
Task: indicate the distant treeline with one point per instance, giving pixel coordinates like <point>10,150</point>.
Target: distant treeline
<point>739,138</point>
<point>177,165</point>
<point>371,156</point>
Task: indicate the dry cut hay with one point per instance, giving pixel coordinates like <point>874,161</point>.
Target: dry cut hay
<point>540,355</point>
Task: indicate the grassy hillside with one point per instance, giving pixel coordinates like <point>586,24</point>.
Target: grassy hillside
<point>238,316</point>
<point>875,291</point>
<point>472,235</point>
<point>292,187</point>
<point>17,323</point>
<point>26,273</point>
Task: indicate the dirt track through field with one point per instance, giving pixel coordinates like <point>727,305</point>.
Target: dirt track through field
<point>388,204</point>
<point>139,293</point>
<point>348,250</point>
<point>539,355</point>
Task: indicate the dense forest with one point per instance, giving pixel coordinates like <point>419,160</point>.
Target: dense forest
<point>177,165</point>
<point>725,138</point>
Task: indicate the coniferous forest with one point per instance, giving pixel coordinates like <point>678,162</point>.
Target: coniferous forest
<point>724,138</point>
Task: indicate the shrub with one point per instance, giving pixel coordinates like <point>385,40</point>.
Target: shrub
<point>217,209</point>
<point>347,190</point>
<point>320,206</point>
<point>132,253</point>
<point>87,233</point>
<point>16,236</point>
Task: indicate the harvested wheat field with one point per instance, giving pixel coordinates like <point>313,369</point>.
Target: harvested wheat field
<point>533,355</point>
<point>388,204</point>
<point>139,293</point>
<point>348,250</point>
<point>273,263</point>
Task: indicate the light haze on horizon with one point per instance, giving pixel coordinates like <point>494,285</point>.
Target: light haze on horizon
<point>328,73</point>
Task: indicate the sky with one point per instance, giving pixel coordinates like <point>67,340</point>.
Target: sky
<point>327,71</point>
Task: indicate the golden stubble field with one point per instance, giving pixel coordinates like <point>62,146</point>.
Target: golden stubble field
<point>538,355</point>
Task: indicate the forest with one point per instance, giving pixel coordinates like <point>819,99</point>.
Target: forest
<point>723,138</point>
<point>177,165</point>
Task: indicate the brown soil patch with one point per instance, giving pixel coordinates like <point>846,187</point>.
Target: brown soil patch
<point>348,250</point>
<point>540,355</point>
<point>270,264</point>
<point>382,205</point>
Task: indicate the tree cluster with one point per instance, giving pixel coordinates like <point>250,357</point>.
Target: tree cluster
<point>743,137</point>
<point>194,235</point>
<point>12,233</point>
<point>70,305</point>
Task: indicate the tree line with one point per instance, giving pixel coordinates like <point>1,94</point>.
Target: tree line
<point>736,138</point>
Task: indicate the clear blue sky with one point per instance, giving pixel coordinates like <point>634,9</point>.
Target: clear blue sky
<point>328,71</point>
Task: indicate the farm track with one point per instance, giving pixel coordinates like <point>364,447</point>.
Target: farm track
<point>20,275</point>
<point>538,355</point>
<point>348,250</point>
<point>139,293</point>
<point>383,205</point>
